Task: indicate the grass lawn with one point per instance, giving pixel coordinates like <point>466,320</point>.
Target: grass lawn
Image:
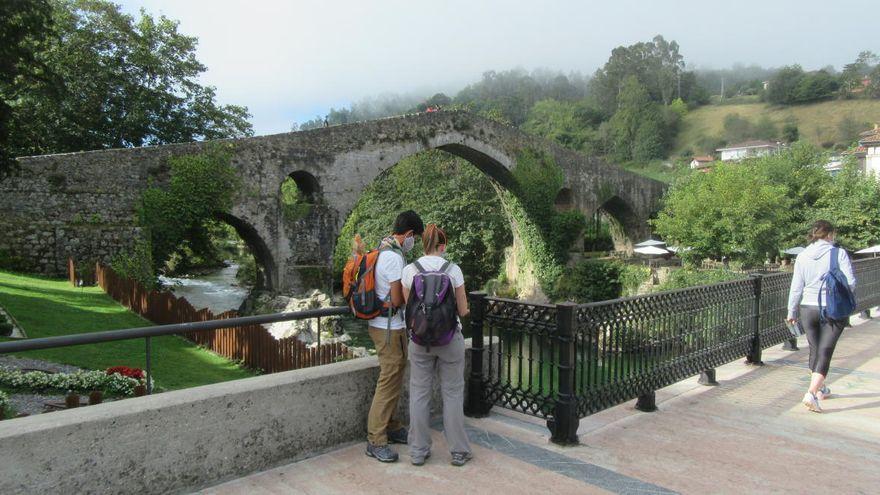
<point>817,122</point>
<point>51,307</point>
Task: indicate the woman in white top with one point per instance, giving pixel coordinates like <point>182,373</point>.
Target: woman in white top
<point>804,297</point>
<point>447,361</point>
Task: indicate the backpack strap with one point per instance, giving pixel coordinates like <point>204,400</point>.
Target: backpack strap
<point>446,266</point>
<point>419,266</point>
<point>834,262</point>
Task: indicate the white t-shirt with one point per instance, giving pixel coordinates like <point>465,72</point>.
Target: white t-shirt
<point>433,263</point>
<point>389,268</point>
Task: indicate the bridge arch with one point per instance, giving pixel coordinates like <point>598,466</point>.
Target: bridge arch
<point>267,276</point>
<point>625,223</point>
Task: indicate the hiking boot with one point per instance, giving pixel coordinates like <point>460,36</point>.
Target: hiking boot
<point>812,402</point>
<point>420,461</point>
<point>823,393</point>
<point>382,453</point>
<point>461,458</point>
<point>398,436</point>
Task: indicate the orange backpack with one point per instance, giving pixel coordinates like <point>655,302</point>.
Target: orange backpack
<point>359,284</point>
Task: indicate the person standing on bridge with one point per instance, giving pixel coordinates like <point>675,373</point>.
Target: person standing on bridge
<point>390,339</point>
<point>434,290</point>
<point>806,297</point>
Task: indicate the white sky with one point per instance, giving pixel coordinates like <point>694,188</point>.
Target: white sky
<point>292,60</point>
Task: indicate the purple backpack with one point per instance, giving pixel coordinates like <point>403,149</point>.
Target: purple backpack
<point>431,311</point>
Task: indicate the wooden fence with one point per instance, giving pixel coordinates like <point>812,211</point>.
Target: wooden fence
<point>253,344</point>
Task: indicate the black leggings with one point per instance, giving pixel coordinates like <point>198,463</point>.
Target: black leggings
<point>821,336</point>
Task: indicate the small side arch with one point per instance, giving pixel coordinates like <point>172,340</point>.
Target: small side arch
<point>267,276</point>
<point>626,226</point>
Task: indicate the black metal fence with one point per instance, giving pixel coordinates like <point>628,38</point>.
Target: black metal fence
<point>563,362</point>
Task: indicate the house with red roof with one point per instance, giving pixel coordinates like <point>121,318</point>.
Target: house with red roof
<point>702,163</point>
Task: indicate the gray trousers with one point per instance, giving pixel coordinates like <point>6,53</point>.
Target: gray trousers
<point>448,362</point>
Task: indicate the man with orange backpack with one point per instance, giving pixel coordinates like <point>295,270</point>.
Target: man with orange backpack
<point>371,283</point>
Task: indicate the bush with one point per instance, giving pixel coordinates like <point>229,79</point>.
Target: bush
<point>4,403</point>
<point>81,381</point>
<point>689,277</point>
<point>589,281</point>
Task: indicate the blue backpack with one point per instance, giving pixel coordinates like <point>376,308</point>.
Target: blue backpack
<point>840,302</point>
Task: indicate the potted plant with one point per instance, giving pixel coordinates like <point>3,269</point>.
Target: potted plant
<point>71,400</point>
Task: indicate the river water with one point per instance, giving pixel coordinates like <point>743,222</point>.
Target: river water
<point>218,291</point>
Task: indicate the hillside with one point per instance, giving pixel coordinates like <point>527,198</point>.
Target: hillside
<point>818,122</point>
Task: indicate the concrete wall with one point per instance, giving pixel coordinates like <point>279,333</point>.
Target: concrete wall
<point>175,441</point>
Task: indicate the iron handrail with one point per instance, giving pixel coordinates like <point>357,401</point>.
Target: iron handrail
<point>160,330</point>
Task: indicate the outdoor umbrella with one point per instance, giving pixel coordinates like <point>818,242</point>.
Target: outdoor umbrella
<point>651,250</point>
<point>872,249</point>
<point>794,251</point>
<point>650,242</point>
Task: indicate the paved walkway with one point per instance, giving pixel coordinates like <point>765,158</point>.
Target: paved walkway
<point>748,435</point>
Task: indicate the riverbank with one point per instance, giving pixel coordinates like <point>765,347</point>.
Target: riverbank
<point>50,307</point>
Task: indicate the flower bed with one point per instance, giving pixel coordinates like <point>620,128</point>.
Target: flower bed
<point>4,403</point>
<point>81,381</point>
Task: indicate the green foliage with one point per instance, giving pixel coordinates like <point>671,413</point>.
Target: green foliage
<point>731,211</point>
<point>632,277</point>
<point>137,264</point>
<point>636,118</point>
<point>105,79</point>
<point>511,94</point>
<point>590,281</point>
<point>690,277</point>
<point>294,204</point>
<point>656,65</point>
<point>790,132</point>
<point>571,125</point>
<point>791,85</point>
<point>445,190</point>
<point>201,186</point>
<point>23,28</point>
<point>851,202</point>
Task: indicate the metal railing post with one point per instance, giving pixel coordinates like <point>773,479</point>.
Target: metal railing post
<point>476,405</point>
<point>149,367</point>
<point>564,424</point>
<point>754,355</point>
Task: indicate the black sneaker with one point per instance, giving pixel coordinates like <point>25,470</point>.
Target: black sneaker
<point>398,436</point>
<point>382,453</point>
<point>461,458</point>
<point>420,461</point>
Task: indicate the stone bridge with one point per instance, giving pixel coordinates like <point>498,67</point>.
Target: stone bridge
<point>83,205</point>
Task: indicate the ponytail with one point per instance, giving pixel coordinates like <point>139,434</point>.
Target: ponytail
<point>821,229</point>
<point>432,238</point>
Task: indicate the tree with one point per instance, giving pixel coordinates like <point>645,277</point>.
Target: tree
<point>852,75</point>
<point>115,81</point>
<point>657,65</point>
<point>783,85</point>
<point>22,29</point>
<point>851,202</point>
<point>572,126</point>
<point>737,128</point>
<point>731,211</point>
<point>636,128</point>
<point>790,132</point>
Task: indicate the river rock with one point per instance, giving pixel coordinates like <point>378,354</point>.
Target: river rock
<point>304,330</point>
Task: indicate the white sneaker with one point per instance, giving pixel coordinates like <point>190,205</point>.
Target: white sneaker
<point>812,402</point>
<point>823,393</point>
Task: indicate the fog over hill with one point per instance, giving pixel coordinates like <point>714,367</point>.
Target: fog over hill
<point>291,61</point>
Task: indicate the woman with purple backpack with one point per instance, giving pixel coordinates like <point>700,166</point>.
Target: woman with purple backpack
<point>433,288</point>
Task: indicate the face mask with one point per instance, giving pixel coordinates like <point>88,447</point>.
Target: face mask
<point>408,244</point>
